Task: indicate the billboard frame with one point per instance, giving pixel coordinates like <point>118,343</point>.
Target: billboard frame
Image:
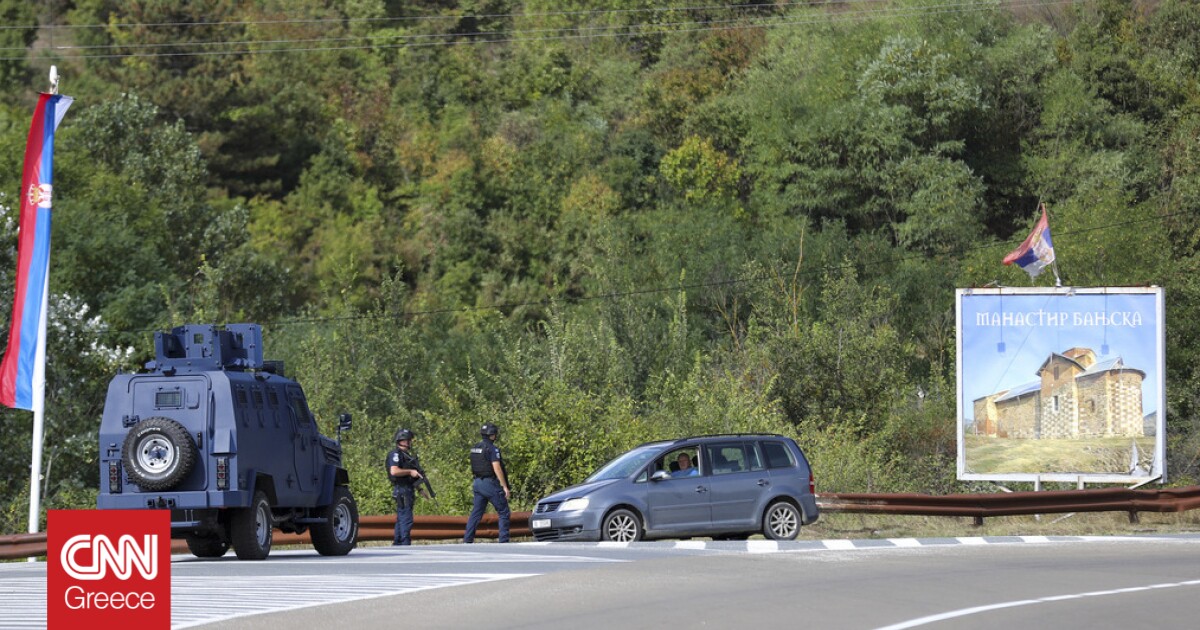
<point>1158,469</point>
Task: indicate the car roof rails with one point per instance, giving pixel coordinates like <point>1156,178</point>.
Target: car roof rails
<point>724,435</point>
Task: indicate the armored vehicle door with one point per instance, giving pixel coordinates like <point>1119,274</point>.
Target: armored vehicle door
<point>177,406</point>
<point>304,441</point>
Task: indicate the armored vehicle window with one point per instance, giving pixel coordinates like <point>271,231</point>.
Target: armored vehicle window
<point>300,409</point>
<point>258,399</point>
<point>168,400</point>
<point>273,397</point>
<point>241,397</point>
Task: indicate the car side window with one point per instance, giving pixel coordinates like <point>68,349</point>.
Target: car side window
<point>726,458</point>
<point>778,455</point>
<point>679,463</point>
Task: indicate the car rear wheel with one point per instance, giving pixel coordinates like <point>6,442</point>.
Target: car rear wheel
<point>158,453</point>
<point>339,533</point>
<point>251,529</point>
<point>621,526</point>
<point>781,521</point>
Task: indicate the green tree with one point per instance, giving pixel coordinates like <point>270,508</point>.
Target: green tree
<point>132,215</point>
<point>21,21</point>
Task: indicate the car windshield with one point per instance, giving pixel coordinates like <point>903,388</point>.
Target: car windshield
<point>626,464</point>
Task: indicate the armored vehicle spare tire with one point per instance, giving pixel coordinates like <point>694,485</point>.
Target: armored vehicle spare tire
<point>158,453</point>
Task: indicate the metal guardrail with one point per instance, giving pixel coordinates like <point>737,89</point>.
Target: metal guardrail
<point>980,506</point>
<point>22,546</point>
<point>370,528</point>
<point>977,506</point>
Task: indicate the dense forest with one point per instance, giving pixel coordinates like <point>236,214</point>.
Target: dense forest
<point>595,222</point>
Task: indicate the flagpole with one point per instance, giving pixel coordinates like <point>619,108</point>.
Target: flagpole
<point>39,390</point>
<point>1054,263</point>
<point>39,415</point>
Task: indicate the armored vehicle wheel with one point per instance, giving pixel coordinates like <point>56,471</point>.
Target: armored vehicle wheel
<point>621,526</point>
<point>339,533</point>
<point>158,453</point>
<point>781,521</point>
<point>250,529</point>
<point>209,546</point>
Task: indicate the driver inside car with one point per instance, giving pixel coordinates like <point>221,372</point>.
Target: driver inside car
<point>685,467</point>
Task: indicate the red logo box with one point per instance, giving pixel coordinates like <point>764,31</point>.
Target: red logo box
<point>108,569</point>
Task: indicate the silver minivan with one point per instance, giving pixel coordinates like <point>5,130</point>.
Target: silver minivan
<point>719,486</point>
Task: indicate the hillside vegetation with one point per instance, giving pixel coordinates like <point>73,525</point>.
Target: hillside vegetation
<point>595,223</point>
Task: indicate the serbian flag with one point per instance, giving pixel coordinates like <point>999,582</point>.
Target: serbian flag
<point>33,254</point>
<point>1037,251</point>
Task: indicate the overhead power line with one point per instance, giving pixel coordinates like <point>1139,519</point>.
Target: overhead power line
<point>423,40</point>
<point>444,18</point>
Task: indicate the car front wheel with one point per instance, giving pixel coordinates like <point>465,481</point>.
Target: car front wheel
<point>251,529</point>
<point>621,526</point>
<point>781,521</point>
<point>339,533</point>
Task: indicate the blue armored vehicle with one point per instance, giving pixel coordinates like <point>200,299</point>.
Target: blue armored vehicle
<point>225,441</point>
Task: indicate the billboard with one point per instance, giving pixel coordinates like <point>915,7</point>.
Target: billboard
<point>1061,384</point>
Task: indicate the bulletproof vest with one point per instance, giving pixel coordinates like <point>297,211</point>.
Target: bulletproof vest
<point>404,463</point>
<point>480,466</point>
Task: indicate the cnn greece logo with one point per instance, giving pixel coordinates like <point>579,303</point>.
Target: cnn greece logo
<point>108,569</point>
<point>121,558</point>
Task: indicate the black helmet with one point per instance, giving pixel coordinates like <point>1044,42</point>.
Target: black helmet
<point>489,429</point>
<point>403,434</point>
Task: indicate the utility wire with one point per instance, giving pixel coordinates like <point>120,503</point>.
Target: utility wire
<point>475,16</point>
<point>553,34</point>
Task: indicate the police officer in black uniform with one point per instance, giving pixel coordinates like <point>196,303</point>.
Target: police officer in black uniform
<point>402,467</point>
<point>490,485</point>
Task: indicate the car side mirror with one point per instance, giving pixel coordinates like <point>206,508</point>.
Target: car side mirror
<point>660,475</point>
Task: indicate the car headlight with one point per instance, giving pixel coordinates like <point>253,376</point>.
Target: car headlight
<point>572,505</point>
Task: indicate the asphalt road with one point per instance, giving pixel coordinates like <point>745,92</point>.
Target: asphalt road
<point>1007,582</point>
<point>934,586</point>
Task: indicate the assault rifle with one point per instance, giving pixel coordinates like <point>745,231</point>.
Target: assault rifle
<point>414,463</point>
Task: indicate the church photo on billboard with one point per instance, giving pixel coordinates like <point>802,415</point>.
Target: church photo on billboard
<point>1060,384</point>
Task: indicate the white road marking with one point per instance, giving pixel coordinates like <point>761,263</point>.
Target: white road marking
<point>954,614</point>
<point>192,596</point>
<point>762,546</point>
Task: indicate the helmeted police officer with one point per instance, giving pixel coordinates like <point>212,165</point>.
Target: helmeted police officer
<point>490,485</point>
<point>403,471</point>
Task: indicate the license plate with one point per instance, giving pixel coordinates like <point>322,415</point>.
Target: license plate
<point>540,523</point>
